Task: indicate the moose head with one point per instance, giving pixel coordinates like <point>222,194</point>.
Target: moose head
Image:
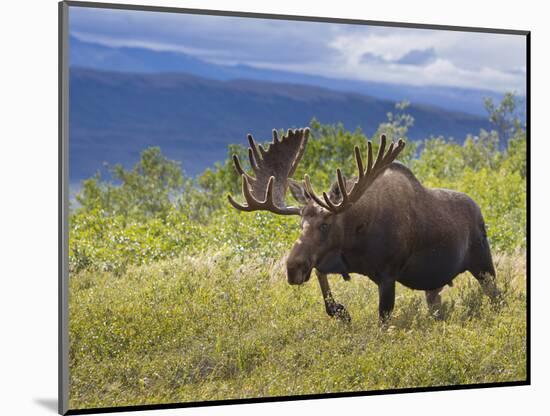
<point>324,220</point>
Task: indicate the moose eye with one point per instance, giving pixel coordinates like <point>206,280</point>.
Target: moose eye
<point>324,227</point>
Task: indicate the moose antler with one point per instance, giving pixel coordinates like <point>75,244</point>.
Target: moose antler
<point>365,178</point>
<point>273,167</point>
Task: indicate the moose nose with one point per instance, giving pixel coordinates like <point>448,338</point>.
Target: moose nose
<point>297,273</point>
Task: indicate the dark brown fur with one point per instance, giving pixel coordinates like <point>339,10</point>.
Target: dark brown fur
<point>398,231</point>
<point>383,224</point>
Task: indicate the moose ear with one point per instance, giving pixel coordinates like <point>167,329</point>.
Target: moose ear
<point>298,191</point>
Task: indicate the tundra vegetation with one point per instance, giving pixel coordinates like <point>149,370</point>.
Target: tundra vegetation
<point>175,296</point>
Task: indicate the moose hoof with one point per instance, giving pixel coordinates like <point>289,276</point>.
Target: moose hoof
<point>384,321</point>
<point>438,314</point>
<point>339,312</point>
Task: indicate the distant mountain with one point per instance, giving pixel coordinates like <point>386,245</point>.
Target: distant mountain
<point>126,59</point>
<point>114,115</point>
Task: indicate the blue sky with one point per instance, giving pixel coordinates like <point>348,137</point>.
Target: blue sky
<point>394,55</point>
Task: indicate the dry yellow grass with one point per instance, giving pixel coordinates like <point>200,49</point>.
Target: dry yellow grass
<point>220,326</point>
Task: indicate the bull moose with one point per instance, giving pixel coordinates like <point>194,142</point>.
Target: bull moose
<point>383,224</point>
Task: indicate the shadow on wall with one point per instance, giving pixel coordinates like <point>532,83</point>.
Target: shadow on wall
<point>49,404</point>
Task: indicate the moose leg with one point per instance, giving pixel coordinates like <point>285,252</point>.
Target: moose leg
<point>333,309</point>
<point>386,299</point>
<point>433,299</point>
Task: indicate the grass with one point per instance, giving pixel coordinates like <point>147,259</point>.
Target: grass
<point>222,326</point>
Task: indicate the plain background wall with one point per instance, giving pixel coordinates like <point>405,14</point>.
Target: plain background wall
<point>28,205</point>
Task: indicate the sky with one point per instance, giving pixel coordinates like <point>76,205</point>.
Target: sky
<point>419,57</point>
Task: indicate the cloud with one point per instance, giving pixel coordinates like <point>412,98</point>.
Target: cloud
<point>385,54</point>
<point>218,38</point>
<point>372,58</point>
<point>433,57</point>
<point>419,57</point>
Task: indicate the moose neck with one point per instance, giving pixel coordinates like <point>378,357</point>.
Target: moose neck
<point>356,244</point>
<point>334,263</point>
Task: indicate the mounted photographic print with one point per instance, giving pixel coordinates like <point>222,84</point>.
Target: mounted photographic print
<point>265,207</point>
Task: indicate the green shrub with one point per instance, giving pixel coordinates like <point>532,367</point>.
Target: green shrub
<point>152,212</point>
<point>110,243</point>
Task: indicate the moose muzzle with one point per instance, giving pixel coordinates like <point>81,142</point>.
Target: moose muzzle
<point>297,271</point>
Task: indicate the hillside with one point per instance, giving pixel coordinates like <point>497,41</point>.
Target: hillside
<point>114,116</point>
<point>141,60</point>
